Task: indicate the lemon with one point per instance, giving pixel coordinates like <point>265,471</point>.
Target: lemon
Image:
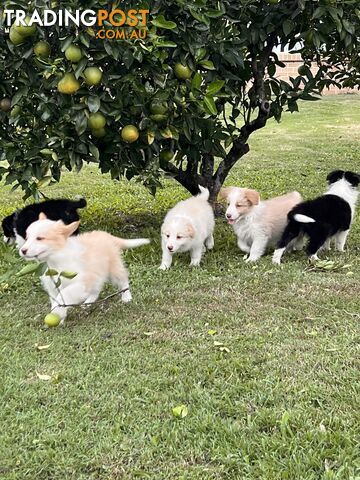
<point>96,121</point>
<point>93,75</point>
<point>5,104</point>
<point>166,155</point>
<point>158,108</point>
<point>15,111</point>
<point>68,84</point>
<point>42,49</point>
<point>182,72</point>
<point>25,31</point>
<point>52,320</point>
<point>98,133</point>
<point>73,53</point>
<point>130,133</point>
<point>15,37</point>
<point>158,118</point>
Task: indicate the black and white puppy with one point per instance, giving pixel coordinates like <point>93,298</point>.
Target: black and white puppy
<point>323,218</point>
<point>16,224</point>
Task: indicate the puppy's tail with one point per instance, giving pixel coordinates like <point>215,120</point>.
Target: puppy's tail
<point>204,193</point>
<point>79,203</point>
<point>298,217</point>
<point>131,243</point>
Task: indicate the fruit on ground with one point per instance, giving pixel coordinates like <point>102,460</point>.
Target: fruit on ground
<point>182,72</point>
<point>166,155</point>
<point>73,53</point>
<point>68,84</point>
<point>52,320</point>
<point>158,108</point>
<point>15,37</point>
<point>25,30</point>
<point>42,49</point>
<point>96,121</point>
<point>93,75</point>
<point>5,104</point>
<point>130,133</point>
<point>98,133</point>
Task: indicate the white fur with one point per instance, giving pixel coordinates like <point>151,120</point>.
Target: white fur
<point>303,218</point>
<point>94,256</point>
<point>257,225</point>
<point>343,189</point>
<point>187,227</point>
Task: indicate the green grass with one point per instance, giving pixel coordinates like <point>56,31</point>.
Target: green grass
<point>282,403</point>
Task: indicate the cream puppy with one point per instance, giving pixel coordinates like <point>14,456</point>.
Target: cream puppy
<point>93,256</point>
<point>188,227</point>
<point>257,224</point>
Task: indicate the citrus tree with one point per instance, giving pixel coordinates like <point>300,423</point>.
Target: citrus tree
<point>184,100</point>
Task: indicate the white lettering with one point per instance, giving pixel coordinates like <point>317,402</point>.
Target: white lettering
<point>92,18</point>
<point>69,16</point>
<point>35,18</point>
<point>48,21</point>
<point>8,14</point>
<point>20,18</point>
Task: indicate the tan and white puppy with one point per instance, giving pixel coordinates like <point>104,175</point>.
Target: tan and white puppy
<point>94,256</point>
<point>188,227</point>
<point>257,224</point>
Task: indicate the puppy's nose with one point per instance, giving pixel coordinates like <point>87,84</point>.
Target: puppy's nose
<point>228,215</point>
<point>170,248</point>
<point>24,251</point>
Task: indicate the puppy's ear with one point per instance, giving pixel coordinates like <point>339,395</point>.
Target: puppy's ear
<point>353,178</point>
<point>42,216</point>
<point>224,193</point>
<point>335,176</point>
<point>68,230</point>
<point>190,231</point>
<point>252,196</point>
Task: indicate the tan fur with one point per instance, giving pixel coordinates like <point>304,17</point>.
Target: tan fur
<point>252,196</point>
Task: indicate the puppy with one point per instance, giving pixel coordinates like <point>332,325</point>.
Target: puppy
<point>15,225</point>
<point>94,256</point>
<point>323,218</point>
<point>257,224</point>
<point>187,227</point>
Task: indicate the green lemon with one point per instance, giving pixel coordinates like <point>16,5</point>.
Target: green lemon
<point>52,320</point>
<point>96,121</point>
<point>68,84</point>
<point>130,133</point>
<point>182,72</point>
<point>73,53</point>
<point>42,49</point>
<point>93,75</point>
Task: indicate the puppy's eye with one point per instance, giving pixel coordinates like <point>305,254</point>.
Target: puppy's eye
<point>179,237</point>
<point>167,235</point>
<point>40,239</point>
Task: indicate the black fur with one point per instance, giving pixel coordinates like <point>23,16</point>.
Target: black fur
<point>332,215</point>
<point>59,209</point>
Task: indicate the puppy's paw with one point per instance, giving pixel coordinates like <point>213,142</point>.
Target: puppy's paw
<point>195,263</point>
<point>163,266</point>
<point>126,296</point>
<point>251,259</point>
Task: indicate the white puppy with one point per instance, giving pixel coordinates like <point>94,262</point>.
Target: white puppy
<point>257,224</point>
<point>188,227</point>
<point>93,256</point>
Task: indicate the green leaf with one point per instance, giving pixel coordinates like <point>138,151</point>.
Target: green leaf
<point>209,105</point>
<point>93,102</point>
<point>94,151</point>
<point>28,269</point>
<point>165,44</point>
<point>162,23</point>
<point>51,272</point>
<point>196,81</point>
<point>208,64</point>
<point>288,27</point>
<point>215,87</point>
<point>68,275</point>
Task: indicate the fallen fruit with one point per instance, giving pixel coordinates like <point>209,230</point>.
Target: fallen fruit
<point>52,320</point>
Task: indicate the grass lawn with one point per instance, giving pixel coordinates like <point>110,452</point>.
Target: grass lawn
<point>279,402</point>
